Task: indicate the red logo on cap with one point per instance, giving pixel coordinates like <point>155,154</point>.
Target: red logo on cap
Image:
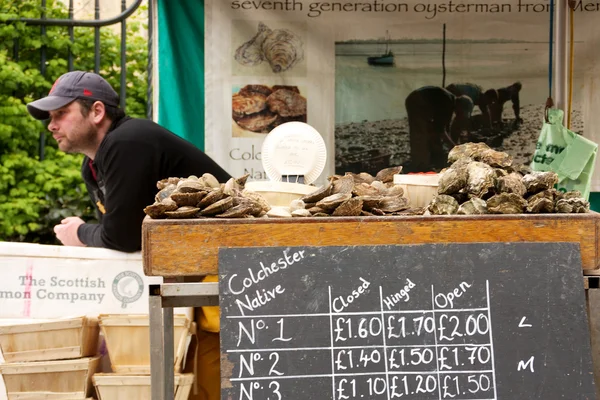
<point>87,92</point>
<point>54,86</point>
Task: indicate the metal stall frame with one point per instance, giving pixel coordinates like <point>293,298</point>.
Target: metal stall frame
<point>163,298</point>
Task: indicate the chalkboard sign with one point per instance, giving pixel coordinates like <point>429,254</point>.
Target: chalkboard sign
<point>459,321</point>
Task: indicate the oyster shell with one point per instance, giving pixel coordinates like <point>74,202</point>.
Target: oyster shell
<point>452,180</point>
<point>363,177</point>
<point>329,203</point>
<point>158,209</point>
<point>210,180</point>
<point>163,183</point>
<point>297,205</point>
<point>188,199</point>
<point>218,207</point>
<point>511,183</point>
<point>316,210</point>
<point>190,186</point>
<point>474,206</point>
<point>318,194</point>
<point>442,204</point>
<point>350,207</point>
<point>183,212</point>
<point>393,203</point>
<point>257,197</point>
<point>241,210</point>
<point>506,203</point>
<point>365,189</point>
<point>343,184</point>
<point>494,158</point>
<point>165,192</point>
<point>387,174</point>
<point>250,53</point>
<point>370,202</point>
<point>283,49</point>
<point>480,179</point>
<point>572,205</point>
<point>470,150</point>
<point>301,213</point>
<point>538,181</point>
<point>279,212</point>
<point>211,197</point>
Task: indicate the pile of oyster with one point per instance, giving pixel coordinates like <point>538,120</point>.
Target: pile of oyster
<point>356,195</point>
<point>482,180</point>
<point>348,195</point>
<point>196,197</point>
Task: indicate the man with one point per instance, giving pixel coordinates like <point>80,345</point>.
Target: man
<point>124,158</point>
<point>429,110</point>
<point>483,100</point>
<point>505,94</point>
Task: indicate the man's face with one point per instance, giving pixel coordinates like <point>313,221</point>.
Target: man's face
<point>74,132</point>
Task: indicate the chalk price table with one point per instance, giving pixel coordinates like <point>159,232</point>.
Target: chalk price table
<point>441,352</point>
<point>460,322</point>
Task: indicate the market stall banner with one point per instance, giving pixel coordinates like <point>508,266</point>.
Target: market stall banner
<point>384,82</point>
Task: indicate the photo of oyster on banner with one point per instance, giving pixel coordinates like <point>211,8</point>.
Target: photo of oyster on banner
<point>260,108</point>
<point>282,49</point>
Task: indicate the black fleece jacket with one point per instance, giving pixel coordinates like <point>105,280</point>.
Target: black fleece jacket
<point>133,156</point>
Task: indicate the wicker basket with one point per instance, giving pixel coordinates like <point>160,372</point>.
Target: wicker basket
<point>53,340</point>
<point>136,387</point>
<point>128,341</point>
<point>64,379</point>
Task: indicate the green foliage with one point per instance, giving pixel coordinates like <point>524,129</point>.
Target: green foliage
<point>36,194</point>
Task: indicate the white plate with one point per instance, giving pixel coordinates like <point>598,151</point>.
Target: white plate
<point>294,148</point>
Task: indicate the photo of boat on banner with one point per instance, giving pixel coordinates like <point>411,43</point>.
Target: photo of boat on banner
<point>437,91</point>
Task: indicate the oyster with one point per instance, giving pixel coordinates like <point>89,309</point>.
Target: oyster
<point>282,49</point>
<point>387,174</point>
<point>251,53</point>
<point>474,206</point>
<point>211,197</point>
<point>538,181</point>
<point>511,183</point>
<point>163,183</point>
<point>393,204</point>
<point>301,213</point>
<point>494,158</point>
<point>218,207</point>
<point>257,197</point>
<point>183,212</point>
<point>572,205</point>
<point>316,210</point>
<point>365,189</point>
<point>350,207</point>
<point>318,194</point>
<point>506,203</point>
<point>210,180</point>
<point>363,177</point>
<point>241,210</point>
<point>443,204</point>
<point>165,192</point>
<point>188,199</point>
<point>452,180</point>
<point>470,150</point>
<point>297,205</point>
<point>480,179</point>
<point>329,203</point>
<point>370,201</point>
<point>279,212</point>
<point>190,186</point>
<point>158,209</point>
<point>343,184</point>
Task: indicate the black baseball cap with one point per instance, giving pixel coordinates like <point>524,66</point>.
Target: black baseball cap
<point>70,86</point>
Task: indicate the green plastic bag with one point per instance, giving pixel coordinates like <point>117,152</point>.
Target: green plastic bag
<point>568,154</point>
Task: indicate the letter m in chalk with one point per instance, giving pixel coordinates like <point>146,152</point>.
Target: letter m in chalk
<point>523,365</point>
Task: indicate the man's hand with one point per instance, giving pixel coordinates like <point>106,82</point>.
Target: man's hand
<point>66,232</point>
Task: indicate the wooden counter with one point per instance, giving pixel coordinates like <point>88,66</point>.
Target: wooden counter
<point>189,247</point>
